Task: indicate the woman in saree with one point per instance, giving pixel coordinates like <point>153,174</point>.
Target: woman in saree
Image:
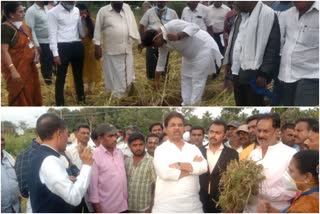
<point>19,58</point>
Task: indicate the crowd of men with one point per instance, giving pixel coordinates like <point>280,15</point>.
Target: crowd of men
<point>101,171</point>
<point>260,46</point>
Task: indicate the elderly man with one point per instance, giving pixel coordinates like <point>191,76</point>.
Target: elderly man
<point>51,190</point>
<point>200,55</point>
<point>275,157</point>
<point>117,25</point>
<point>154,18</point>
<point>299,67</point>
<point>252,55</point>
<point>178,166</point>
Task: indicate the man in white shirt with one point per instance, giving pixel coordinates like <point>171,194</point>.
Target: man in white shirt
<point>299,67</point>
<point>51,190</point>
<point>217,14</point>
<point>123,145</point>
<point>37,19</point>
<point>66,46</point>
<point>178,165</point>
<point>275,157</point>
<point>118,28</point>
<point>154,18</point>
<point>197,14</point>
<point>199,51</point>
<point>218,157</point>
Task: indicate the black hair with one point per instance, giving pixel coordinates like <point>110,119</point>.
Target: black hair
<point>252,117</point>
<point>155,124</point>
<point>82,125</point>
<point>162,136</point>
<point>9,7</point>
<point>308,161</point>
<point>89,21</point>
<point>272,116</point>
<point>309,121</point>
<point>148,36</point>
<point>94,135</point>
<point>131,128</point>
<point>220,123</point>
<point>135,136</point>
<point>48,124</point>
<point>152,135</point>
<point>315,128</point>
<point>172,115</point>
<point>287,126</point>
<point>197,128</point>
<point>188,124</point>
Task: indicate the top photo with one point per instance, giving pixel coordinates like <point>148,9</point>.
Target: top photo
<point>160,53</point>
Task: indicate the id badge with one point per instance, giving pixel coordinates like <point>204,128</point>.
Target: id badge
<point>31,45</point>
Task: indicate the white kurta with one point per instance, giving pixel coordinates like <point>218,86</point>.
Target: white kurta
<point>173,194</point>
<point>200,55</point>
<point>118,32</point>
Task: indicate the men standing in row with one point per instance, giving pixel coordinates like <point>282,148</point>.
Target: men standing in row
<point>66,47</point>
<point>51,190</point>
<point>218,157</point>
<point>252,55</point>
<point>140,175</point>
<point>108,186</point>
<point>275,157</point>
<point>152,143</point>
<point>37,19</point>
<point>117,26</point>
<point>178,166</point>
<point>299,67</point>
<point>154,18</point>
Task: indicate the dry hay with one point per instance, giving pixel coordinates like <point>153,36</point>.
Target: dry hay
<point>239,184</point>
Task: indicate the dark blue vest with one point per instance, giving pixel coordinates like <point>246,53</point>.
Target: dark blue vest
<point>42,199</point>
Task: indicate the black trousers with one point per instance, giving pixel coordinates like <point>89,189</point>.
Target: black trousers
<point>47,63</point>
<point>152,55</point>
<point>244,95</point>
<point>72,52</point>
<point>216,37</point>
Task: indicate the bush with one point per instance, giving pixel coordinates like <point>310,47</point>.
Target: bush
<point>17,143</point>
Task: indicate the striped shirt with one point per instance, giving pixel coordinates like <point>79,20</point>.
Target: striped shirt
<point>140,183</point>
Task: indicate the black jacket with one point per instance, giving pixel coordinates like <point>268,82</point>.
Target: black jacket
<point>213,178</point>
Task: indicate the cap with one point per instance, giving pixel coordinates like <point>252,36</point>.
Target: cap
<point>106,128</point>
<point>234,123</point>
<point>243,128</point>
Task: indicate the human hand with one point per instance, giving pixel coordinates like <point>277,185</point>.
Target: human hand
<point>14,73</point>
<point>140,48</point>
<point>86,156</point>
<point>197,159</point>
<point>227,70</point>
<point>57,60</point>
<point>173,36</point>
<point>98,52</point>
<point>261,82</point>
<point>263,206</point>
<point>175,165</point>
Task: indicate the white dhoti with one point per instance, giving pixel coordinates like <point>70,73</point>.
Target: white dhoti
<point>118,73</point>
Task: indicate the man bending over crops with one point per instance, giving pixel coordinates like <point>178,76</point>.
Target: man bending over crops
<point>274,156</point>
<point>199,53</point>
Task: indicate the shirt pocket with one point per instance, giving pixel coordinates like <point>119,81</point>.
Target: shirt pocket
<point>309,37</point>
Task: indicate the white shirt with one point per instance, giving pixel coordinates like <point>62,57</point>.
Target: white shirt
<point>151,20</point>
<point>113,27</point>
<point>213,157</point>
<point>275,163</point>
<point>300,53</point>
<point>217,16</point>
<point>63,26</point>
<point>53,174</point>
<point>124,147</point>
<point>37,19</point>
<point>73,154</point>
<point>199,16</point>
<point>173,194</point>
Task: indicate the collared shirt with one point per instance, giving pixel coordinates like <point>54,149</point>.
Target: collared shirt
<point>151,20</point>
<point>173,194</point>
<point>124,148</point>
<point>213,157</point>
<point>108,184</point>
<point>275,163</point>
<point>113,27</point>
<point>199,16</point>
<point>54,175</point>
<point>141,179</point>
<point>22,167</point>
<point>73,154</point>
<point>37,19</point>
<point>217,16</point>
<point>300,52</point>
<point>63,26</point>
<point>9,185</point>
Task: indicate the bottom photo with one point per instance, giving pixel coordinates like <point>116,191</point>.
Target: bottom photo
<point>201,159</point>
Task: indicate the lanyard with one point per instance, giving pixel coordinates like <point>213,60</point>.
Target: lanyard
<point>21,30</point>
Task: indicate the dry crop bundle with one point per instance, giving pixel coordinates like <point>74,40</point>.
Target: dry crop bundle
<point>239,184</point>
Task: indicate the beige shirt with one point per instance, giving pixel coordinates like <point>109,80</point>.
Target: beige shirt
<point>213,157</point>
<point>216,16</point>
<point>113,28</point>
